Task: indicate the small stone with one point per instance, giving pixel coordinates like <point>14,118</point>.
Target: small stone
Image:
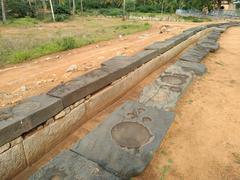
<point>39,127</point>
<point>71,107</point>
<point>60,115</point>
<point>72,68</point>
<point>78,103</point>
<point>23,88</point>
<point>97,46</point>
<point>48,58</point>
<point>4,148</point>
<point>50,121</point>
<point>57,57</point>
<point>67,110</point>
<point>88,97</point>
<point>16,141</point>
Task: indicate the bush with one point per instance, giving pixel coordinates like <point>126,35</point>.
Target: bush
<point>111,12</point>
<point>62,12</point>
<point>67,43</point>
<point>19,9</point>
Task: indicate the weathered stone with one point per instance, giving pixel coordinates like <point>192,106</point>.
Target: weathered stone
<point>27,115</point>
<point>197,68</point>
<point>209,44</point>
<point>40,142</point>
<point>60,115</point>
<point>76,104</point>
<point>124,144</point>
<point>162,46</point>
<point>121,65</point>
<point>195,30</point>
<point>214,35</point>
<point>16,141</point>
<point>12,162</point>
<point>164,92</point>
<point>68,166</point>
<point>194,54</point>
<point>50,121</point>
<point>143,57</point>
<point>4,147</point>
<point>82,86</point>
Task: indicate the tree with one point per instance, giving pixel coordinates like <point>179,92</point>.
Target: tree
<point>74,7</point>
<point>124,10</point>
<point>51,5</point>
<point>81,4</point>
<point>3,11</point>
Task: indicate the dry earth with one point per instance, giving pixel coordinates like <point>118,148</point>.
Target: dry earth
<point>203,142</point>
<point>36,77</point>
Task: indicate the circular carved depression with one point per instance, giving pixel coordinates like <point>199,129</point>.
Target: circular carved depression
<point>172,80</point>
<point>130,134</point>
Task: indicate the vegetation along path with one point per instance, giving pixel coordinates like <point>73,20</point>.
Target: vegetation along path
<point>32,78</point>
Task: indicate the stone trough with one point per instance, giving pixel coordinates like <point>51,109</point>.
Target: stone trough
<point>32,127</point>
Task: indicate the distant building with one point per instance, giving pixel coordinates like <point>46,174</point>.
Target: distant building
<point>228,5</point>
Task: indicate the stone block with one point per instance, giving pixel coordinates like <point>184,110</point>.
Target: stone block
<point>82,86</point>
<point>12,162</point>
<point>194,54</point>
<point>125,142</point>
<point>197,68</point>
<point>27,115</point>
<point>69,166</point>
<point>43,140</point>
<point>209,44</point>
<point>166,90</point>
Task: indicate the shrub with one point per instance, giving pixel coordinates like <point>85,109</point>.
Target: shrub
<point>67,43</point>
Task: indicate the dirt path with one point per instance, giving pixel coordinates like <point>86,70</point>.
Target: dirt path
<point>204,141</point>
<point>45,73</point>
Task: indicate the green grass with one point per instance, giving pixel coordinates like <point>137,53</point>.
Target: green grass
<point>21,22</point>
<point>29,43</point>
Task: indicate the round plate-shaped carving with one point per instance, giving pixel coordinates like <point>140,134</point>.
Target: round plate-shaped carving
<point>130,134</point>
<point>175,80</point>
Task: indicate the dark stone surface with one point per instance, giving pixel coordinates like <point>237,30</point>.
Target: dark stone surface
<point>70,166</point>
<point>143,57</point>
<point>124,143</point>
<point>82,86</point>
<point>194,54</point>
<point>166,90</point>
<point>195,30</point>
<point>210,44</point>
<point>27,115</point>
<point>164,46</point>
<point>97,79</point>
<point>197,68</point>
<point>214,35</point>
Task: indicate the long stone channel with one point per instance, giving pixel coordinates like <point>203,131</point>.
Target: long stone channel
<point>123,145</point>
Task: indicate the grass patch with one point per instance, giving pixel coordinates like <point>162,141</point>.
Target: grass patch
<point>30,43</point>
<point>21,22</point>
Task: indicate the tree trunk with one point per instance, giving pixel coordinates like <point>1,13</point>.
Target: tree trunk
<point>3,12</point>
<point>124,10</point>
<point>162,10</point>
<point>81,7</point>
<point>51,5</point>
<point>74,7</point>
